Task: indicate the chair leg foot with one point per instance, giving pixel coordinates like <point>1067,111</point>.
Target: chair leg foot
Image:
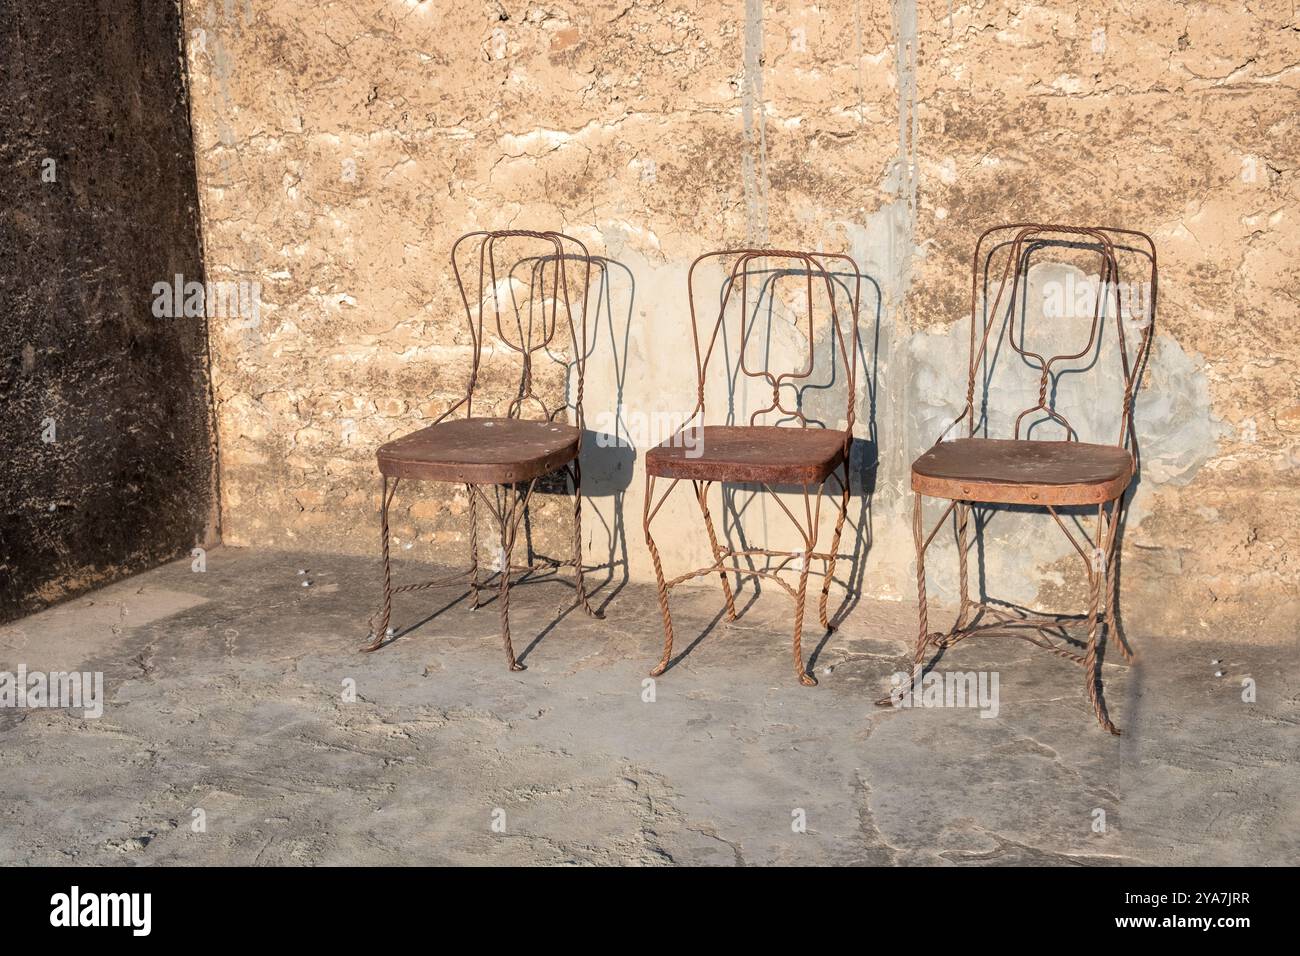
<point>667,618</point>
<point>1112,584</point>
<point>1092,666</point>
<point>1097,581</point>
<point>822,619</point>
<point>799,671</point>
<point>513,664</point>
<point>1098,701</point>
<point>511,510</point>
<point>804,677</point>
<point>582,601</point>
<point>377,640</point>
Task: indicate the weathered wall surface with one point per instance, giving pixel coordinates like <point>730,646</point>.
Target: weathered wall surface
<point>106,437</point>
<point>342,147</point>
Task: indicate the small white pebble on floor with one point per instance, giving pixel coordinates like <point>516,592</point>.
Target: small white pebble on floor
<point>1218,673</point>
<point>1216,661</point>
<point>302,570</point>
<point>306,584</point>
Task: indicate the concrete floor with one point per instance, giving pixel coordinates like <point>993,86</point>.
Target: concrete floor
<point>225,694</point>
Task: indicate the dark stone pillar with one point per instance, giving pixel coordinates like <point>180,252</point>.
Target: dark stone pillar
<point>107,447</point>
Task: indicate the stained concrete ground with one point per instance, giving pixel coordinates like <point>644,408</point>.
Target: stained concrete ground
<point>226,693</point>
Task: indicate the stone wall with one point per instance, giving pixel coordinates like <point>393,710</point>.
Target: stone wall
<point>342,147</point>
<point>107,458</point>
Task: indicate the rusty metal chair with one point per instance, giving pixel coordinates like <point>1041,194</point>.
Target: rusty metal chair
<point>763,455</point>
<point>508,453</point>
<point>1063,477</point>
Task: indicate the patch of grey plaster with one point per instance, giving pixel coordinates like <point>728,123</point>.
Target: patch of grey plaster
<point>904,177</point>
<point>754,162</point>
<point>884,246</point>
<point>882,249</point>
<point>1177,431</point>
<point>206,40</point>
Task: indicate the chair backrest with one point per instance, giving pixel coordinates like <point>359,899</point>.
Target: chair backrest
<point>530,289</point>
<point>815,272</point>
<point>1006,308</point>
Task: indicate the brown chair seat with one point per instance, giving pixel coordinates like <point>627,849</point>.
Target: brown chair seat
<point>749,453</point>
<point>1005,471</point>
<point>480,451</point>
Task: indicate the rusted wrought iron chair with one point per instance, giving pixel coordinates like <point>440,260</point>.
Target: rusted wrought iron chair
<point>507,453</point>
<point>765,455</point>
<point>1065,476</point>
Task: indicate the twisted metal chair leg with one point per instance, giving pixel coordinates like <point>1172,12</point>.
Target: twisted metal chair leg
<point>508,527</point>
<point>1091,663</point>
<point>963,520</point>
<point>701,495</point>
<point>1112,583</point>
<point>1093,668</point>
<point>922,610</point>
<point>801,595</point>
<point>380,633</point>
<point>473,549</point>
<point>804,677</point>
<point>835,547</point>
<point>659,579</point>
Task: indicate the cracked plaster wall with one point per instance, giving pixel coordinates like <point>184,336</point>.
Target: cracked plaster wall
<point>342,148</point>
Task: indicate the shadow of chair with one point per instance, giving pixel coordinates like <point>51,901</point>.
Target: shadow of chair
<point>864,457</point>
<point>607,456</point>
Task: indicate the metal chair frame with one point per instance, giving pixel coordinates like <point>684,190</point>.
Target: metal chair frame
<point>1099,553</point>
<point>508,504</point>
<point>726,560</point>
